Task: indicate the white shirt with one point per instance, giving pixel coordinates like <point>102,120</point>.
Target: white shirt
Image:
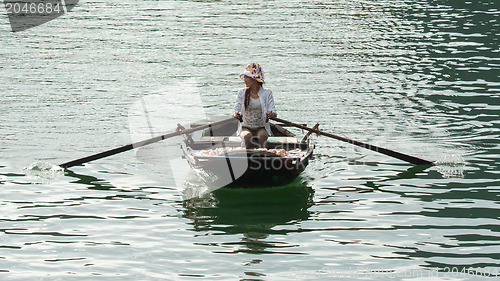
<point>266,102</point>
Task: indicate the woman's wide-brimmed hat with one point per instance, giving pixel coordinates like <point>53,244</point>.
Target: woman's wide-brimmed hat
<point>254,71</point>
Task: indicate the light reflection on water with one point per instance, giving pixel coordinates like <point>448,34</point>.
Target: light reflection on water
<point>419,77</point>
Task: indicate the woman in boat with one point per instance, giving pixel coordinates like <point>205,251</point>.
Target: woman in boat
<point>254,106</point>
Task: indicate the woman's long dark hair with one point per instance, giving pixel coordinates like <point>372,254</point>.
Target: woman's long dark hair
<point>247,95</point>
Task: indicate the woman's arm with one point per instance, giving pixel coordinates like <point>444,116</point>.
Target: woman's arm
<point>239,102</point>
<point>271,107</point>
<point>238,106</point>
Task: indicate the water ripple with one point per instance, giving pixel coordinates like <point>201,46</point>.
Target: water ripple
<point>420,77</point>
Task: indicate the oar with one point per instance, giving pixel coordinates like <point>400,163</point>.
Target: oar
<point>139,144</point>
<point>388,152</point>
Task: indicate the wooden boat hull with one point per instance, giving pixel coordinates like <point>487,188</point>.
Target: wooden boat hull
<point>261,171</point>
<point>236,167</point>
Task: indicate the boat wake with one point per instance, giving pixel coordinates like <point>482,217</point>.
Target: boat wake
<point>451,166</point>
<point>195,187</point>
<point>43,171</point>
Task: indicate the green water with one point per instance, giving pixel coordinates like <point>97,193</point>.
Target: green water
<point>419,77</point>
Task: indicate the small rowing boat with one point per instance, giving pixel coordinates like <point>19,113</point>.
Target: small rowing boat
<point>217,156</point>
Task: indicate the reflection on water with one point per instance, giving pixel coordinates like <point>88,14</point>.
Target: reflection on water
<point>255,213</point>
<point>91,182</point>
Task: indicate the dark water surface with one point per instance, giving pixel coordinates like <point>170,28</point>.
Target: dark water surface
<point>419,77</point>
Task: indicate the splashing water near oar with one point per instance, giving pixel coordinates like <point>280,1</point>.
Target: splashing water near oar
<point>44,171</point>
<point>451,166</point>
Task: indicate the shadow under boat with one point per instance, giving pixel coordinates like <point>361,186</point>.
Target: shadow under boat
<point>250,210</point>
